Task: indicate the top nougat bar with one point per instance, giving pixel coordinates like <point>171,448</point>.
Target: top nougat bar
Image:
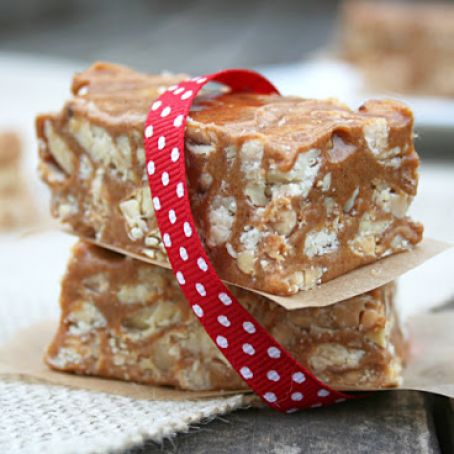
<point>286,192</point>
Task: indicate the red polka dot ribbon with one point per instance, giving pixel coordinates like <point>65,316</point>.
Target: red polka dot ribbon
<point>270,371</point>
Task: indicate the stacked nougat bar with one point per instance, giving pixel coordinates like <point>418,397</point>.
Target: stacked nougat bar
<point>123,318</point>
<point>286,193</point>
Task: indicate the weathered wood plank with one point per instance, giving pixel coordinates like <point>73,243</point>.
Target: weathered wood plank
<point>388,422</point>
<point>442,411</point>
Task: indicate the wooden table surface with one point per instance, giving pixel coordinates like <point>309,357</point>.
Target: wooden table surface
<point>383,423</point>
<point>387,422</point>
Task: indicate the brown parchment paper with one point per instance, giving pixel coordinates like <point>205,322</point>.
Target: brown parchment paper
<point>430,367</point>
<point>343,287</point>
<point>22,357</point>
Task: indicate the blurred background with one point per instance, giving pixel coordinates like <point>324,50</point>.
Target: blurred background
<point>348,49</point>
<point>352,50</point>
<point>187,35</point>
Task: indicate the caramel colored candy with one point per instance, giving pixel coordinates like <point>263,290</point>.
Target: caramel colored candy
<point>126,319</point>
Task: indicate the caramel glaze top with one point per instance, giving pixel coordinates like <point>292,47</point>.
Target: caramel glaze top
<point>116,97</point>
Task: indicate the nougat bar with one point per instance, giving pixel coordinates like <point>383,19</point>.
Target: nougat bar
<point>286,192</point>
<point>125,319</point>
<point>16,207</point>
<point>401,46</point>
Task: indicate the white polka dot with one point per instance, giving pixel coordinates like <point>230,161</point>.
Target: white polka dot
<point>222,341</point>
<point>187,229</point>
<point>200,289</point>
<point>156,105</point>
<point>316,405</point>
<point>151,167</point>
<point>174,154</point>
<point>165,178</point>
<point>248,349</point>
<point>224,321</point>
<point>225,299</point>
<point>186,95</point>
<point>156,203</point>
<point>298,377</point>
<point>201,80</point>
<point>270,397</point>
<point>183,253</point>
<point>165,111</point>
<point>274,352</point>
<point>166,239</point>
<point>297,396</point>
<point>180,278</point>
<point>178,121</point>
<point>197,310</point>
<point>272,375</point>
<point>180,190</point>
<point>178,91</point>
<point>246,373</point>
<point>172,216</point>
<point>249,327</point>
<point>323,393</point>
<point>202,264</point>
<point>148,131</point>
<point>161,142</point>
<point>172,88</point>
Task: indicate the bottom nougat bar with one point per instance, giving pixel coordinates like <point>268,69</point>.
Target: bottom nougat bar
<point>128,320</point>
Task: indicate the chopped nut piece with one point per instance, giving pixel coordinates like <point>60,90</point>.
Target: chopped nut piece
<point>59,149</point>
<point>84,318</point>
<point>221,216</point>
<point>351,201</point>
<point>299,180</point>
<point>376,133</point>
<point>325,182</point>
<point>305,280</point>
<point>246,262</point>
<point>390,202</point>
<point>320,243</point>
<point>335,355</point>
<point>200,148</point>
<point>131,212</point>
<point>206,180</point>
<point>231,251</point>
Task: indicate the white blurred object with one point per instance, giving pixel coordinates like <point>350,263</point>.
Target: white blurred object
<point>432,283</point>
<point>324,78</point>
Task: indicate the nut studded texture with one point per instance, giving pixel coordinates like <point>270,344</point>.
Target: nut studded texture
<point>125,319</point>
<point>286,192</point>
